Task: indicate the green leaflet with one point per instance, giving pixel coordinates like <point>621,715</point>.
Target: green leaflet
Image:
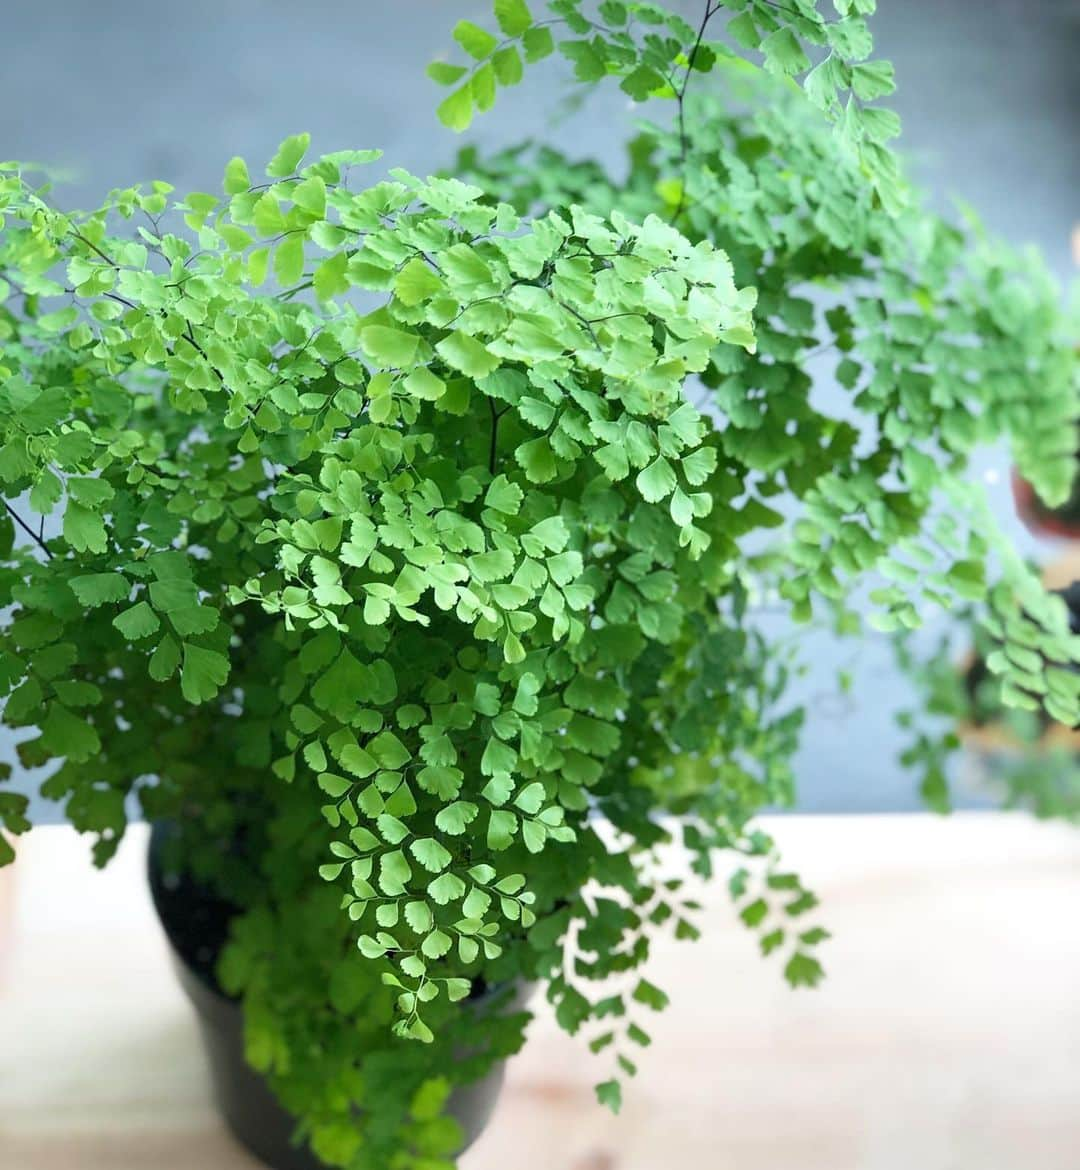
<point>288,156</point>
<point>67,735</point>
<point>96,589</point>
<point>237,178</point>
<point>504,496</point>
<point>456,111</point>
<point>137,622</point>
<point>416,282</point>
<point>203,673</point>
<point>84,529</point>
<point>389,347</point>
<point>609,1094</point>
<point>289,260</point>
<point>466,354</point>
<point>513,16</point>
<point>538,43</point>
<point>445,74</point>
<point>473,39</point>
<point>783,53</point>
<point>165,660</point>
<point>657,481</point>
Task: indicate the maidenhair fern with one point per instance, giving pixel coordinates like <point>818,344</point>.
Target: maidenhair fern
<point>399,541</point>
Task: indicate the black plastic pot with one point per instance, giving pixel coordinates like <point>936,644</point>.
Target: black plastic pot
<point>196,924</point>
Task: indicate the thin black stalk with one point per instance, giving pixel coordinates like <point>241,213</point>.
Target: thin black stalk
<point>493,452</point>
<point>680,98</point>
<point>38,540</point>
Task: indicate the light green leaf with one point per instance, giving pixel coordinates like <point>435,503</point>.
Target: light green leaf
<point>699,465</point>
<point>289,259</point>
<point>335,786</point>
<point>165,659</point>
<point>476,41</point>
<point>614,461</point>
<point>389,347</point>
<point>96,589</point>
<point>502,826</point>
<point>477,904</point>
<point>363,839</point>
<point>538,460</point>
<point>444,73</point>
<point>872,80</point>
<point>446,888</point>
<point>458,989</point>
<point>330,277</point>
<point>879,125</point>
<point>507,65</point>
<point>269,218</point>
<point>467,354</point>
<point>513,16</point>
<point>394,873</point>
<point>641,82</point>
<point>498,789</point>
<point>237,179</point>
<point>455,818</point>
<point>288,157</point>
<point>92,492</point>
<point>657,481</point>
<point>456,111</point>
<point>431,855</point>
<point>137,622</point>
<point>743,31</point>
<point>423,384</point>
<point>483,87</point>
<point>419,917</point>
<point>534,834</point>
<point>416,282</point>
<point>46,493</point>
<point>530,798</point>
<point>539,43</point>
<point>392,830</point>
<point>311,195</point>
<point>391,753</point>
<point>357,761</point>
<point>504,496</point>
<point>418,1030</point>
<point>783,53</point>
<point>437,944</point>
<point>258,263</point>
<point>84,529</point>
<point>203,674</point>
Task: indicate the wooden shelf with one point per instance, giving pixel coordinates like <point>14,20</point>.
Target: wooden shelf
<point>947,1036</point>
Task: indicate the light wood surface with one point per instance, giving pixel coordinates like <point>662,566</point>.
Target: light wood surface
<point>947,1036</point>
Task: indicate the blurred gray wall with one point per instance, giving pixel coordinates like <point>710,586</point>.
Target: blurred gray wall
<point>117,91</point>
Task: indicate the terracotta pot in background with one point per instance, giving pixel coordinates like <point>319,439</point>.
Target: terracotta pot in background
<point>1038,519</point>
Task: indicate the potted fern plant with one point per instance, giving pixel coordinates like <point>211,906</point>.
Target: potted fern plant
<point>393,545</point>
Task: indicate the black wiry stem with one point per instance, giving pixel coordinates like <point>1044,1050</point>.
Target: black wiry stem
<point>38,540</point>
<point>493,453</point>
<point>680,98</point>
